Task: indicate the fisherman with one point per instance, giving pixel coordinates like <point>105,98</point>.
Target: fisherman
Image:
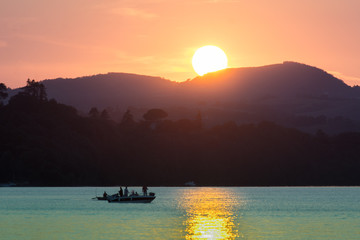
<point>105,194</point>
<point>126,192</point>
<point>144,189</point>
<point>121,192</point>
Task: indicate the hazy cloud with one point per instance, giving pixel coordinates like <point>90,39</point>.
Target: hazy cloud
<point>60,43</point>
<point>124,8</point>
<point>41,39</point>
<point>223,1</point>
<point>134,12</point>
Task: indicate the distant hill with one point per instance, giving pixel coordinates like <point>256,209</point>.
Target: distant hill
<point>112,89</point>
<point>292,94</point>
<point>287,80</point>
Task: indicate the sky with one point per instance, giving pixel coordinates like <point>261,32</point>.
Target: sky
<point>45,39</point>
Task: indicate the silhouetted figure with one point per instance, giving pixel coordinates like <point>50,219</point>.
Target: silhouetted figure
<point>144,189</point>
<point>121,192</point>
<point>126,192</point>
<point>105,194</point>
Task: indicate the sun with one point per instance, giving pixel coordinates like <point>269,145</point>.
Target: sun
<point>209,59</point>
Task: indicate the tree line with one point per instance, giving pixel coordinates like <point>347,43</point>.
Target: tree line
<point>46,143</point>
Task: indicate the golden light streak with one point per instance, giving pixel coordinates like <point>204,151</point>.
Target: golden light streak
<point>210,214</point>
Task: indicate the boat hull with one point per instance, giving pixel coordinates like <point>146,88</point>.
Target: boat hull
<point>132,199</point>
<point>101,198</point>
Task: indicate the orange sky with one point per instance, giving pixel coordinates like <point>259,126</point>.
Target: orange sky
<point>42,39</point>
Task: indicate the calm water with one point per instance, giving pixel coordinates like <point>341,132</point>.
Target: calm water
<point>182,213</point>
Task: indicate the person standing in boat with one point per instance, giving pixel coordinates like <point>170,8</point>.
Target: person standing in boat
<point>144,189</point>
<point>121,192</point>
<point>126,192</point>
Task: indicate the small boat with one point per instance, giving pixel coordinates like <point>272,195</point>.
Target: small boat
<point>190,184</point>
<point>104,197</point>
<point>100,198</point>
<point>9,184</point>
<point>132,198</point>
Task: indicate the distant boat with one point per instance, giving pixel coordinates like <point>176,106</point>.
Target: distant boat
<point>104,196</point>
<point>132,198</point>
<point>9,184</point>
<point>100,198</point>
<point>190,184</point>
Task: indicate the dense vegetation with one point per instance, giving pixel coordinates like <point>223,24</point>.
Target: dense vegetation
<point>43,142</point>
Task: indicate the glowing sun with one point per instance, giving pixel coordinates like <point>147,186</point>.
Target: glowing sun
<point>209,59</point>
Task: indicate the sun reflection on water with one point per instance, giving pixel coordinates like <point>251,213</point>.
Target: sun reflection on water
<point>210,214</point>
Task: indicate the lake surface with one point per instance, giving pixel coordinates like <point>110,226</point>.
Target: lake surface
<point>182,213</point>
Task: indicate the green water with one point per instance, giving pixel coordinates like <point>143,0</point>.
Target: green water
<point>182,213</point>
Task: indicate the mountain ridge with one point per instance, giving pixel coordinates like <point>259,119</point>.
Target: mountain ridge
<point>276,92</point>
<point>256,82</point>
<point>275,77</point>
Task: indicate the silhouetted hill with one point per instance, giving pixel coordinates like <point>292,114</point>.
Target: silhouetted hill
<point>112,89</point>
<point>291,94</point>
<point>288,80</point>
